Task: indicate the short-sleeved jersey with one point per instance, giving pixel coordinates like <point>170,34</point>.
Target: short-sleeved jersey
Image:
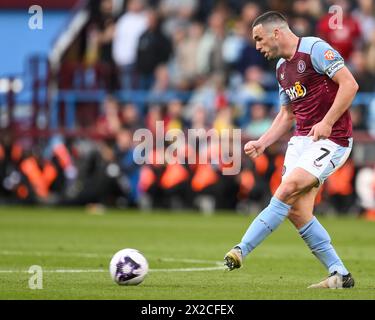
<point>305,84</point>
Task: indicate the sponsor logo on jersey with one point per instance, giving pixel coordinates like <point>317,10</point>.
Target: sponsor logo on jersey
<point>329,55</point>
<point>296,91</point>
<point>301,66</point>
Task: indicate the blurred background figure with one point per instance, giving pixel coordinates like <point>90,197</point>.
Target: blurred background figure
<point>129,171</point>
<point>108,123</point>
<point>177,14</point>
<point>100,35</point>
<point>130,117</point>
<point>365,189</point>
<point>186,44</point>
<point>210,56</point>
<point>345,37</point>
<point>364,77</point>
<point>154,49</point>
<point>174,116</point>
<point>365,15</point>
<point>259,121</point>
<point>128,30</point>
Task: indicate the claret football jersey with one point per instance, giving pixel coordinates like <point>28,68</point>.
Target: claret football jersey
<point>305,83</point>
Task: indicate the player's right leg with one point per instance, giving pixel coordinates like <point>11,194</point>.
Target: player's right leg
<point>275,213</point>
<point>318,240</point>
<point>302,210</point>
<point>272,216</point>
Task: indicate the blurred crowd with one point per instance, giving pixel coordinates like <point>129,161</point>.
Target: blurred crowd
<point>96,173</point>
<point>162,48</point>
<point>205,49</point>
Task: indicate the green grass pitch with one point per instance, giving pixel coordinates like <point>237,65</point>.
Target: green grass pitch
<point>184,250</point>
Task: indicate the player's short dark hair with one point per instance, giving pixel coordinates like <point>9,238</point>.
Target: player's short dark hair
<point>269,17</point>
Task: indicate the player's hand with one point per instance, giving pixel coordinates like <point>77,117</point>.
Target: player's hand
<point>254,149</point>
<point>319,131</point>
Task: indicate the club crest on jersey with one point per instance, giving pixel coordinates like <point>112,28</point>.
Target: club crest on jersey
<point>282,76</point>
<point>329,55</point>
<point>296,91</point>
<point>301,66</point>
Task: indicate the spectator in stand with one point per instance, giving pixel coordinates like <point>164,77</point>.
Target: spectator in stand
<point>249,12</point>
<point>259,121</point>
<point>108,122</point>
<point>99,43</point>
<point>97,184</point>
<point>186,45</point>
<point>5,164</point>
<point>11,154</point>
<point>370,53</point>
<point>128,30</point>
<point>310,8</point>
<point>130,118</point>
<point>154,114</point>
<point>371,118</point>
<point>234,44</point>
<point>177,14</point>
<point>252,87</point>
<point>301,26</point>
<point>342,38</point>
<point>199,119</point>
<point>205,181</point>
<point>205,95</point>
<point>249,56</point>
<point>210,50</point>
<point>365,189</point>
<point>357,113</point>
<point>162,89</point>
<point>224,119</point>
<point>153,49</point>
<point>365,79</point>
<point>276,5</point>
<point>44,172</point>
<point>174,119</point>
<point>100,34</point>
<point>129,170</point>
<point>204,8</point>
<point>365,15</point>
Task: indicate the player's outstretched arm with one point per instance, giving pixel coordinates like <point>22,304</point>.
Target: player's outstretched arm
<point>348,87</point>
<point>282,123</point>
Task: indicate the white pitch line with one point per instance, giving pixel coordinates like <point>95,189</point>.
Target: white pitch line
<point>218,264</point>
<point>43,254</point>
<point>57,271</point>
<point>102,270</point>
<point>95,255</point>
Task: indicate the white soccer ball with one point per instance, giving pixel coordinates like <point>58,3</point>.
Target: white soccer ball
<point>128,267</point>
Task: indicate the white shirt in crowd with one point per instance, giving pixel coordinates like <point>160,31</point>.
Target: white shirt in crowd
<point>128,30</point>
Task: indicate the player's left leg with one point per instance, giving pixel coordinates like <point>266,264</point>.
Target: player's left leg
<point>319,242</point>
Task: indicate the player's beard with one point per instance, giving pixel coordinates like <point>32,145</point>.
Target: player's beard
<point>273,53</point>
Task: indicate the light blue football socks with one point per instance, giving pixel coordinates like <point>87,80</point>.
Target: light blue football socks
<point>266,222</point>
<point>313,233</point>
<point>319,241</point>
